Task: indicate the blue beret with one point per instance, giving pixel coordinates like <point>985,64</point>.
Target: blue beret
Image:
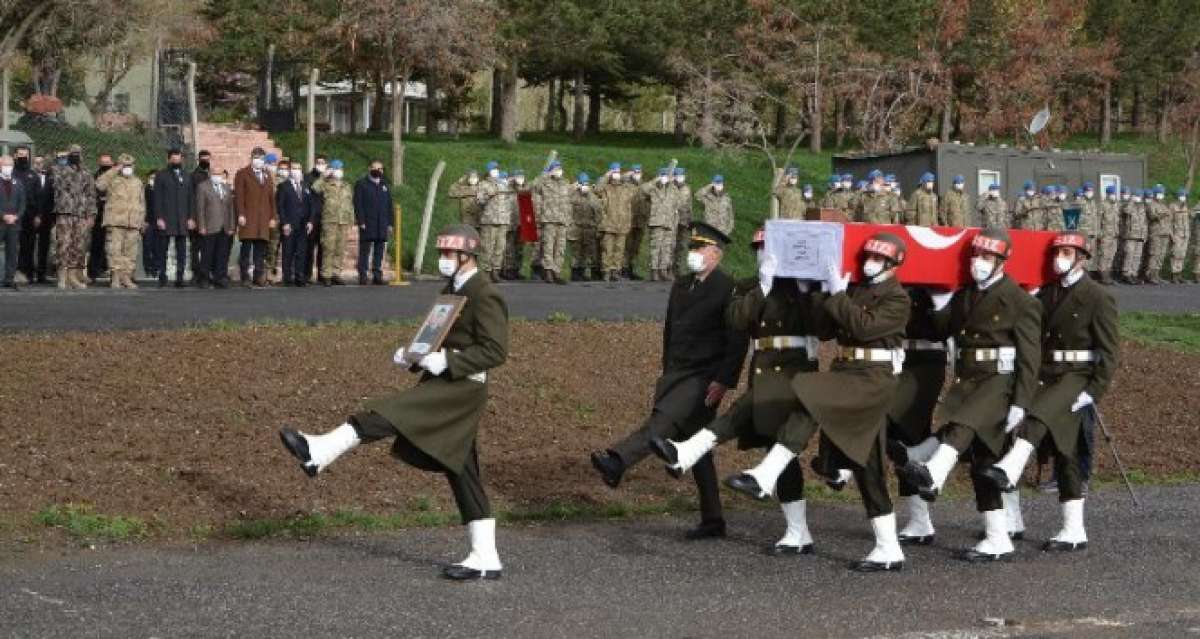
<point>1028,184</point>
<point>718,179</point>
<point>636,167</point>
<point>791,170</point>
<point>615,166</point>
<point>1110,189</point>
<point>1088,185</point>
<point>555,165</point>
<point>927,177</point>
<point>492,165</point>
<point>336,164</point>
<point>679,170</point>
<point>875,173</point>
<point>271,158</point>
<point>958,179</point>
<point>664,172</point>
<point>994,187</point>
<point>1181,193</point>
<point>583,178</point>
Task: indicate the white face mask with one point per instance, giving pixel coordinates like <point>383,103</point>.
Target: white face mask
<point>993,194</point>
<point>519,181</point>
<point>872,267</point>
<point>792,181</point>
<point>1137,199</point>
<point>321,167</point>
<point>447,266</point>
<point>929,186</point>
<point>846,186</point>
<point>584,188</point>
<point>981,269</point>
<point>283,173</point>
<point>494,173</point>
<point>257,164</point>
<point>127,171</point>
<point>679,179</point>
<point>1159,196</point>
<point>718,187</point>
<point>1183,198</point>
<point>662,179</point>
<point>297,175</point>
<point>695,261</point>
<point>218,179</point>
<point>556,173</point>
<point>1089,194</point>
<point>338,174</point>
<point>6,171</point>
<point>808,195</point>
<point>1029,193</point>
<point>1063,265</point>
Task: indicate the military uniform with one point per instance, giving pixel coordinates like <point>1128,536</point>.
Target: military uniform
<point>615,222</point>
<point>874,207</point>
<point>718,208</point>
<point>1027,213</point>
<point>555,211</point>
<point>639,222</point>
<point>953,210</point>
<point>124,215</point>
<point>1089,219</point>
<point>898,208</point>
<point>699,349</point>
<point>1159,217</point>
<point>662,219</point>
<point>467,194</point>
<point>75,207</point>
<point>493,226</point>
<point>581,234</point>
<point>337,218</point>
<point>1133,239</point>
<point>993,213</point>
<point>1181,231</point>
<point>792,205</point>
<point>1108,223</point>
<point>683,221</point>
<point>924,211</point>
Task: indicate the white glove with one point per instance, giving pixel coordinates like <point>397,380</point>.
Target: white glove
<point>398,357</point>
<point>1083,401</point>
<point>838,282</point>
<point>1016,415</point>
<point>434,362</point>
<point>940,300</point>
<point>766,274</point>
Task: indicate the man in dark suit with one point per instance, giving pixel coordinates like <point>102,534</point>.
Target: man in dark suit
<point>373,215</point>
<point>702,359</point>
<point>39,214</point>
<point>12,209</point>
<point>216,222</point>
<point>314,255</point>
<point>294,207</point>
<point>196,241</point>
<point>173,200</point>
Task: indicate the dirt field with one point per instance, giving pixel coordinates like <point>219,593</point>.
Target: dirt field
<point>179,427</point>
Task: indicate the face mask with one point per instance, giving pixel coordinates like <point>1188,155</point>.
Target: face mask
<point>1028,193</point>
<point>6,171</point>
<point>473,180</point>
<point>583,188</point>
<point>695,261</point>
<point>557,173</point>
<point>377,174</point>
<point>519,181</point>
<point>203,165</point>
<point>808,195</point>
<point>981,269</point>
<point>679,179</point>
<point>283,173</point>
<point>337,174</point>
<point>1089,194</point>
<point>718,187</point>
<point>297,175</point>
<point>73,159</point>
<point>993,195</point>
<point>929,186</point>
<point>872,267</point>
<point>494,173</point>
<point>218,179</point>
<point>22,164</point>
<point>662,179</point>
<point>127,171</point>
<point>322,167</point>
<point>1159,196</point>
<point>846,186</point>
<point>1183,198</point>
<point>447,266</point>
<point>1137,199</point>
<point>958,187</point>
<point>257,164</point>
<point>792,181</point>
<point>1063,265</point>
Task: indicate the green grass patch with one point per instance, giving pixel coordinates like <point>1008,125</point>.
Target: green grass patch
<point>82,522</point>
<point>1176,332</point>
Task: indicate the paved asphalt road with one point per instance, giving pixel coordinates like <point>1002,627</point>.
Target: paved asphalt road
<point>634,578</point>
<point>41,308</point>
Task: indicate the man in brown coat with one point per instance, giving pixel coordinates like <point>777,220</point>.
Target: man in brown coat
<point>850,401</point>
<point>1080,346</point>
<point>254,198</point>
<point>216,222</point>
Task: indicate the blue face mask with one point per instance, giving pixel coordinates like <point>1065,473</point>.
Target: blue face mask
<point>61,161</point>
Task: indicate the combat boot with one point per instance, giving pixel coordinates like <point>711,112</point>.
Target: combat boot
<point>653,275</point>
<point>547,276</point>
<point>78,278</point>
<point>63,284</point>
<point>597,274</point>
<point>129,283</point>
<point>557,279</point>
<point>633,275</point>
<point>114,280</point>
<point>577,273</point>
<point>612,275</point>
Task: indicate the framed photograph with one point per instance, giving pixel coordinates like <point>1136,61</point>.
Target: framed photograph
<point>433,330</point>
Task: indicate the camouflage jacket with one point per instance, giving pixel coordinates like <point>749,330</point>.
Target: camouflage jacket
<point>339,200</point>
<point>1108,218</point>
<point>1181,220</point>
<point>1089,223</point>
<point>953,211</point>
<point>467,195</point>
<point>494,197</point>
<point>1159,217</point>
<point>1027,213</point>
<point>1134,223</point>
<point>126,207</point>
<point>874,208</point>
<point>792,205</point>
<point>74,192</point>
<point>663,210</point>
<point>683,204</point>
<point>1052,216</point>
<point>552,200</point>
<point>585,212</point>
<point>641,205</point>
<point>993,213</point>
<point>617,198</point>
<point>718,208</point>
<point>924,209</point>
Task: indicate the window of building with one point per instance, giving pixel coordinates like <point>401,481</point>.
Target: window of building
<point>1107,180</point>
<point>986,179</point>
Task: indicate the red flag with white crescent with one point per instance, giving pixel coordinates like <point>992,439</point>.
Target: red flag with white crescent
<point>527,230</point>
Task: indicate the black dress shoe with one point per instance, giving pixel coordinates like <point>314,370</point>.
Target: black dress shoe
<point>975,557</point>
<point>610,467</point>
<point>362,280</point>
<point>337,281</point>
<point>1063,546</point>
<point>711,529</point>
<point>746,483</point>
<point>377,280</point>
<point>781,550</point>
<point>301,283</point>
<point>179,284</point>
<point>877,566</point>
<point>298,447</point>
<point>459,572</point>
<point>997,477</point>
<point>915,540</point>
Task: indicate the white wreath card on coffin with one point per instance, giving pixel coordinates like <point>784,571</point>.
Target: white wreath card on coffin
<point>804,249</point>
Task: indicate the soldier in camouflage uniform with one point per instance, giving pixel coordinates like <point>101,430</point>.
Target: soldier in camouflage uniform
<point>75,206</point>
<point>993,212</point>
<point>898,208</point>
<point>1181,231</point>
<point>1089,214</point>
<point>124,219</point>
<point>1108,221</point>
<point>617,195</point>
<point>873,205</point>
<point>954,204</point>
<point>1026,213</point>
<point>1133,239</point>
<point>718,206</point>
<point>493,221</point>
<point>683,218</point>
<point>466,190</point>
<point>924,210</point>
<point>663,213</point>
<point>792,205</point>
<point>833,193</point>
<point>1158,215</point>
<point>336,219</point>
<point>637,229</point>
<point>581,235</point>
<point>1052,214</point>
<point>554,216</point>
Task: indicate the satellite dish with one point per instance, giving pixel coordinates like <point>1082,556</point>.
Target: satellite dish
<point>1039,121</point>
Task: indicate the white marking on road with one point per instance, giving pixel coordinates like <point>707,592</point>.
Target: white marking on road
<point>43,598</point>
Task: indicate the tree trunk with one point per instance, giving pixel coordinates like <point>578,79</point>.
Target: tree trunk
<point>578,125</point>
<point>551,112</point>
<point>509,120</point>
<point>398,128</point>
<point>781,124</point>
<point>433,106</point>
<point>839,123</point>
<point>497,107</point>
<point>1118,93</point>
<point>947,123</point>
<point>1106,115</point>
<point>707,134</point>
<point>377,105</point>
<point>1135,116</point>
<point>817,113</point>
<point>1193,155</point>
<point>680,133</point>
<point>594,104</point>
<point>1164,115</point>
<point>560,109</point>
